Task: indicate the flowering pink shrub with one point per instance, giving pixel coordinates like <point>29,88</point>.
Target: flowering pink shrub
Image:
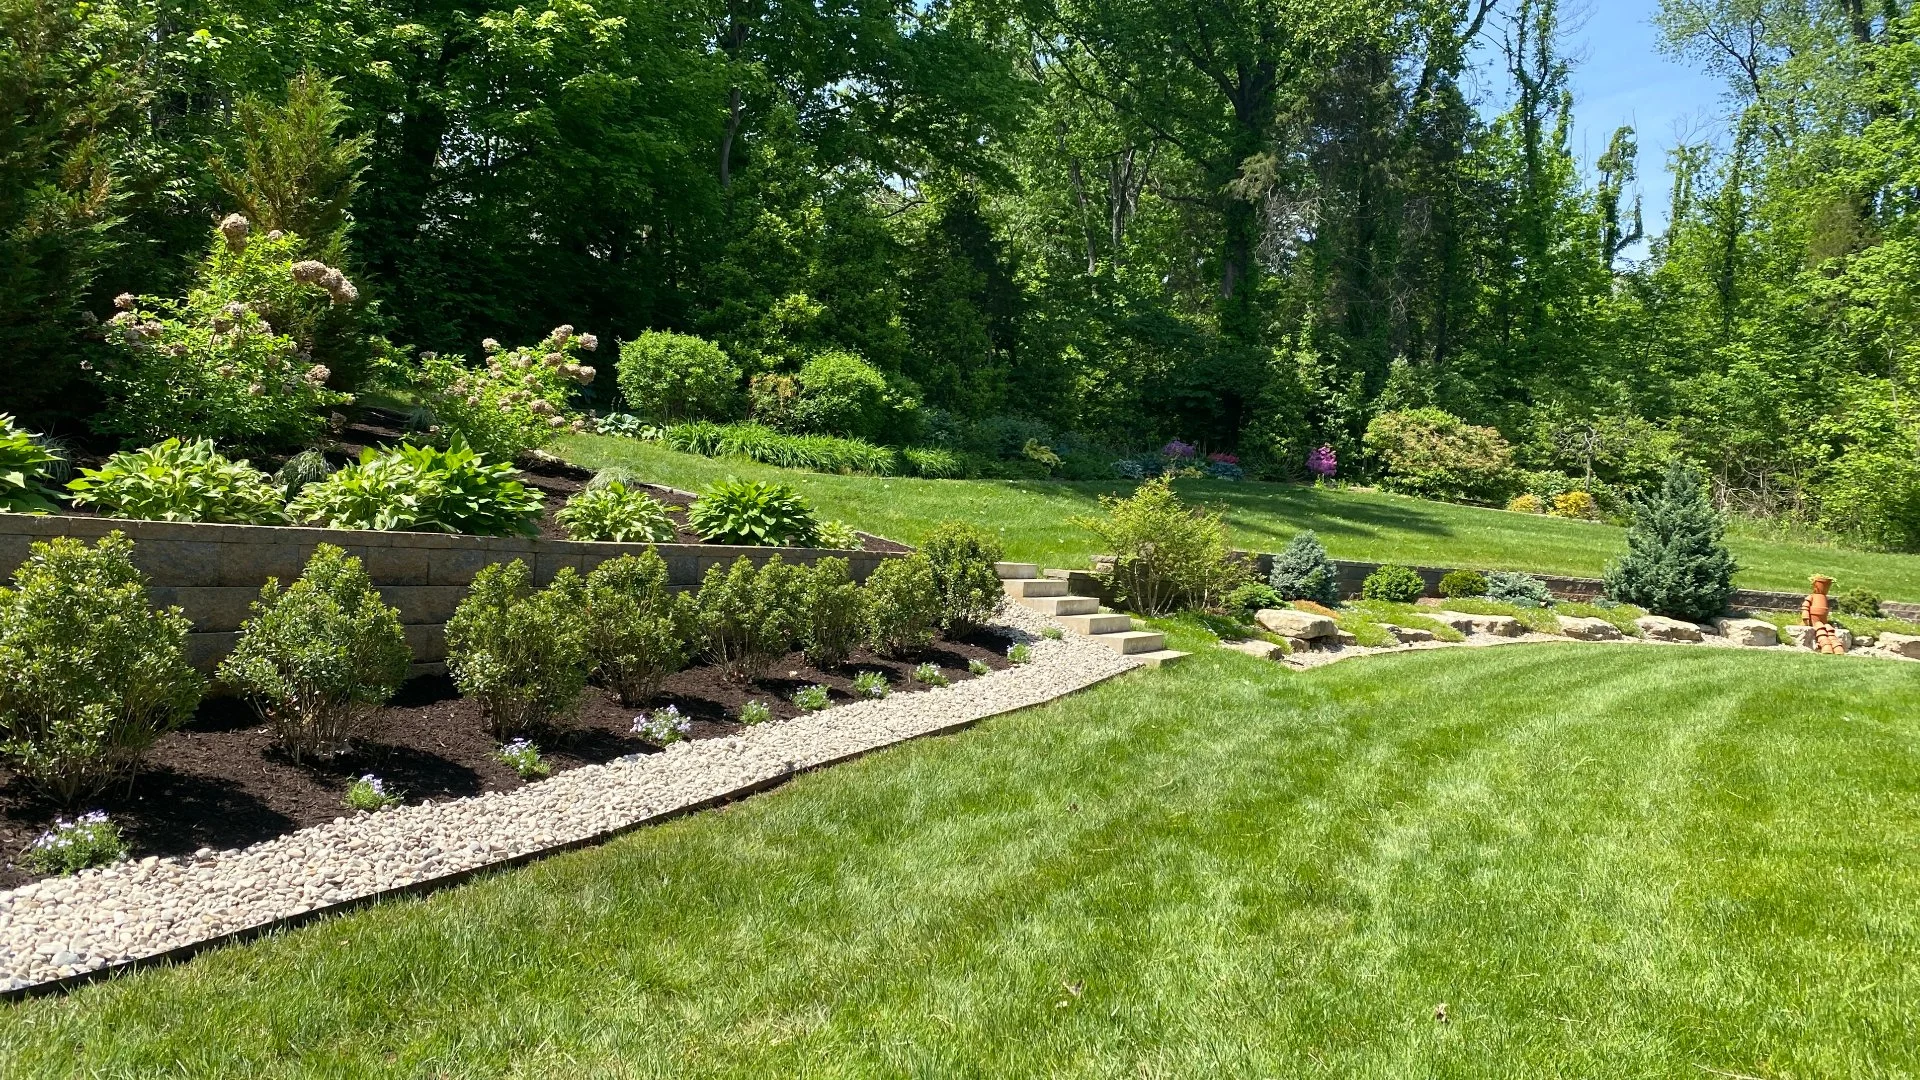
<point>1323,463</point>
<point>516,399</point>
<point>1223,459</point>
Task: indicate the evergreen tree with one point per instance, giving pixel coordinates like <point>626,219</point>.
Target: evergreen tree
<point>1677,561</point>
<point>1305,572</point>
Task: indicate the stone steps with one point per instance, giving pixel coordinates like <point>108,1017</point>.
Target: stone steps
<point>1048,593</point>
<point>1028,588</point>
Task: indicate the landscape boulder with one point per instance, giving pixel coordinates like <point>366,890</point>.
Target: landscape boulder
<point>1491,625</point>
<point>1661,628</point>
<point>1801,637</point>
<point>1581,629</point>
<point>1407,635</point>
<point>1907,645</point>
<point>1259,650</point>
<point>1304,625</point>
<point>1753,633</point>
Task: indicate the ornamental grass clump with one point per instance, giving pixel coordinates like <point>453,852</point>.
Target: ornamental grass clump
<point>1166,554</point>
<point>26,464</point>
<point>422,489</point>
<point>302,469</point>
<point>902,605</point>
<point>520,652</point>
<point>1304,571</point>
<point>76,844</point>
<point>832,612</point>
<point>662,727</point>
<point>966,585</point>
<point>1677,561</point>
<point>748,616</point>
<point>93,675</point>
<point>753,512</point>
<point>181,481</point>
<point>636,627</point>
<point>318,658</point>
<point>617,513</point>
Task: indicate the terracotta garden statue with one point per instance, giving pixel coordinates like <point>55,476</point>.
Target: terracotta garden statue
<point>1813,612</point>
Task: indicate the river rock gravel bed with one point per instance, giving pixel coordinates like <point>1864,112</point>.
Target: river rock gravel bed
<point>59,928</point>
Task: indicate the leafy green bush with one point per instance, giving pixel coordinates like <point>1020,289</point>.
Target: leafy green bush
<point>748,616</point>
<point>75,844</point>
<point>1436,455</point>
<point>964,579</point>
<point>1677,561</point>
<point>424,489</point>
<point>1509,587</point>
<point>516,399</point>
<point>615,513</point>
<point>902,605</point>
<point>175,481</point>
<point>93,675</point>
<point>1304,571</point>
<point>838,536</point>
<point>832,612</point>
<point>25,466</point>
<point>758,512</point>
<point>814,453</point>
<point>933,463</point>
<point>520,652</point>
<point>228,363</point>
<point>317,658</point>
<point>636,627</point>
<point>1873,498</point>
<point>1858,602</point>
<point>1458,583</point>
<point>667,377</point>
<point>304,468</point>
<point>842,394</point>
<point>1166,553</point>
<point>1395,584</point>
<point>1252,597</point>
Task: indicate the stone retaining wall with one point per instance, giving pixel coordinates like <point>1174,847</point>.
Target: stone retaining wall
<point>213,572</point>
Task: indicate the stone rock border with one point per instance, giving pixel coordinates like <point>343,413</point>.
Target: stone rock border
<point>59,933</point>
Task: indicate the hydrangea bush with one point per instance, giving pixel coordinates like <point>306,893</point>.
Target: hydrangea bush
<point>515,399</point>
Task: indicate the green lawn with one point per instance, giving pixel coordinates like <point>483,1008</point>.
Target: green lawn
<point>1034,521</point>
<point>1605,861</point>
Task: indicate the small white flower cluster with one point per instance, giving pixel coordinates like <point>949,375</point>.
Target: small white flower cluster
<point>662,726</point>
<point>67,833</point>
<point>321,276</point>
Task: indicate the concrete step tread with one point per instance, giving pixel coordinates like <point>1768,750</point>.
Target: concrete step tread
<point>1092,624</point>
<point>1016,571</point>
<point>1162,658</point>
<point>1021,588</point>
<point>1129,642</point>
<point>1058,606</point>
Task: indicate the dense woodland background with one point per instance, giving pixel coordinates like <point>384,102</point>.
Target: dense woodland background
<point>1255,225</point>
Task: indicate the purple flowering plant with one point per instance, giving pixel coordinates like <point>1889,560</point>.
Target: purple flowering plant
<point>1179,451</point>
<point>74,844</point>
<point>524,758</point>
<point>369,793</point>
<point>662,726</point>
<point>1323,463</point>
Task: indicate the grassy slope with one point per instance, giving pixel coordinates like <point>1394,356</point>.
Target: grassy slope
<point>1606,861</point>
<point>1034,521</point>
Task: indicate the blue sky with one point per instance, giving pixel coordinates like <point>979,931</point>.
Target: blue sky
<point>1621,77</point>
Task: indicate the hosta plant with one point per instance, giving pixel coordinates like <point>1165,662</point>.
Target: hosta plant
<point>752,512</point>
<point>637,628</point>
<point>513,400</point>
<point>422,488</point>
<point>520,652</point>
<point>837,535</point>
<point>318,657</point>
<point>180,481</point>
<point>75,844</point>
<point>617,513</point>
<point>25,464</point>
<point>93,675</point>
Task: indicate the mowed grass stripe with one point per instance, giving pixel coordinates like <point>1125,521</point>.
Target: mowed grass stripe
<point>1034,520</point>
<point>1621,861</point>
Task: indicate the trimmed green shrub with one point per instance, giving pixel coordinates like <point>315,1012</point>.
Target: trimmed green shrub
<point>25,466</point>
<point>1397,584</point>
<point>902,605</point>
<point>748,616</point>
<point>317,658</point>
<point>1677,560</point>
<point>1305,572</point>
<point>757,512</point>
<point>842,394</point>
<point>93,674</point>
<point>520,652</point>
<point>516,399</point>
<point>1436,455</point>
<point>964,579</point>
<point>615,513</point>
<point>1166,554</point>
<point>76,844</point>
<point>815,453</point>
<point>176,481</point>
<point>1510,587</point>
<point>424,489</point>
<point>1245,600</point>
<point>667,377</point>
<point>636,627</point>
<point>832,612</point>
<point>304,468</point>
<point>1461,583</point>
<point>1857,602</point>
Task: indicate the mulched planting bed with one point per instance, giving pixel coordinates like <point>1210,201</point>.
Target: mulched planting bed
<point>218,782</point>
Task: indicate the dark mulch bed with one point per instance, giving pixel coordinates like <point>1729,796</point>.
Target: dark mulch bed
<point>218,782</point>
